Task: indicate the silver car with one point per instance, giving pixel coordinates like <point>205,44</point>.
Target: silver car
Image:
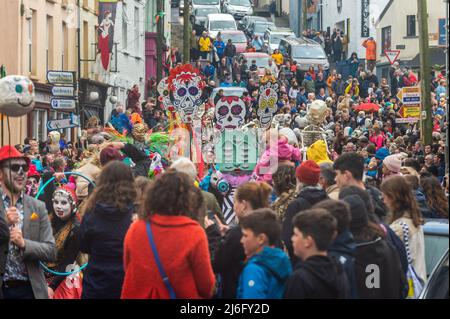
<point>305,51</point>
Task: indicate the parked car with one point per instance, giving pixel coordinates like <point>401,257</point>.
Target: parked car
<point>205,3</point>
<point>436,241</point>
<point>228,91</point>
<point>175,3</point>
<point>438,282</point>
<point>237,8</point>
<point>259,27</point>
<point>198,17</point>
<point>262,60</point>
<point>247,20</point>
<point>237,38</point>
<point>216,23</point>
<point>305,51</point>
<point>272,38</point>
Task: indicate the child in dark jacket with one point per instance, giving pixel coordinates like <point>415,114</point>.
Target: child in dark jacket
<point>267,267</point>
<point>318,276</point>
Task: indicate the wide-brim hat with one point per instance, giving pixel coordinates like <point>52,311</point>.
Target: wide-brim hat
<point>10,152</point>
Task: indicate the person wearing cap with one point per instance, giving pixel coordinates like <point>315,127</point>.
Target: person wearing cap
<point>392,165</point>
<point>309,192</point>
<point>30,233</point>
<point>373,249</point>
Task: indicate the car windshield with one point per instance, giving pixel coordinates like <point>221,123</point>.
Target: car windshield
<point>276,38</point>
<point>260,62</point>
<point>235,38</point>
<point>262,27</point>
<point>245,3</point>
<point>308,52</point>
<point>203,12</point>
<point>204,2</point>
<point>222,25</point>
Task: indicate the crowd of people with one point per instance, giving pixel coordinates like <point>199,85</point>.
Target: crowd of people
<point>306,231</point>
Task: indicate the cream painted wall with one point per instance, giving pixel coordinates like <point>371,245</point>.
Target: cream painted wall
<point>396,18</point>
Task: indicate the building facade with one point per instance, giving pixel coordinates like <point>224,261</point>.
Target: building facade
<point>44,38</point>
<point>397,29</point>
<point>356,18</point>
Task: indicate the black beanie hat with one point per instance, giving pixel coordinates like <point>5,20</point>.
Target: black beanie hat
<point>358,211</point>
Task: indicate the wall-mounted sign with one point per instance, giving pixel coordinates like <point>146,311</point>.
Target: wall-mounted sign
<point>365,18</point>
<point>60,77</point>
<point>73,121</point>
<point>63,91</point>
<point>63,104</point>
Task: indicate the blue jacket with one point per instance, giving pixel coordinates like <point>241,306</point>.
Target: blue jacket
<point>121,123</point>
<point>265,275</point>
<point>301,98</point>
<point>102,234</point>
<point>220,47</point>
<point>209,71</point>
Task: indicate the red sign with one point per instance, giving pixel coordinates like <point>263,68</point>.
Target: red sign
<point>392,55</point>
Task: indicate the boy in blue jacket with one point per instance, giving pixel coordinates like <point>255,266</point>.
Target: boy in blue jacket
<point>267,268</point>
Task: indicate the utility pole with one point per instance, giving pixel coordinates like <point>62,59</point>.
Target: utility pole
<point>304,15</point>
<point>160,41</point>
<point>186,33</point>
<point>426,119</point>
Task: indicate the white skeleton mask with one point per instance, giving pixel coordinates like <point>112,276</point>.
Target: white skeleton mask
<point>230,113</point>
<point>267,106</point>
<point>317,112</point>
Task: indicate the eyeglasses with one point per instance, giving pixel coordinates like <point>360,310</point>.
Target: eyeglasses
<point>16,167</point>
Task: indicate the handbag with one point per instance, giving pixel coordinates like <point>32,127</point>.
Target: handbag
<point>415,283</point>
<point>158,263</point>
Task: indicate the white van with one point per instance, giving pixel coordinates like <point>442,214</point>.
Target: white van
<point>195,4</point>
<point>216,22</point>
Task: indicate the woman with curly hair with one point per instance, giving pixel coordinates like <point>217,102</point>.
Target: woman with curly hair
<point>435,196</point>
<point>284,183</point>
<point>406,220</point>
<point>172,207</point>
<point>108,214</point>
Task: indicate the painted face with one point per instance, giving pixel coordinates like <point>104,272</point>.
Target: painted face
<point>268,97</point>
<point>16,95</point>
<point>164,95</point>
<point>14,174</point>
<point>62,205</point>
<point>32,186</point>
<point>230,113</point>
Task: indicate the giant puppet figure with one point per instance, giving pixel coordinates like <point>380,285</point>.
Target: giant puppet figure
<point>267,103</point>
<point>16,95</point>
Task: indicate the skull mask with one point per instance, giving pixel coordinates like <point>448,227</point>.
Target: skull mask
<point>230,113</point>
<point>268,97</point>
<point>186,86</point>
<point>164,95</point>
<point>317,112</point>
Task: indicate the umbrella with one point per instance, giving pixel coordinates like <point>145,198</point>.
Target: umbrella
<point>367,107</point>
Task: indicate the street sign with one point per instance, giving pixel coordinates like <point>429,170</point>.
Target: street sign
<point>409,111</point>
<point>410,95</point>
<point>63,91</point>
<point>61,77</point>
<point>392,55</point>
<point>63,104</point>
<point>407,120</point>
<point>73,121</point>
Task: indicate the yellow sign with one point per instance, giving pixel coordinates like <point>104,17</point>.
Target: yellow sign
<point>411,111</point>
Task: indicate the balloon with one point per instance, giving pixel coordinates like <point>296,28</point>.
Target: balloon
<point>16,95</point>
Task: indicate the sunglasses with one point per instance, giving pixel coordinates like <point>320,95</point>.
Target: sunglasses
<point>16,167</point>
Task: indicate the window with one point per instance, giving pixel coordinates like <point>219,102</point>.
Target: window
<point>64,47</point>
<point>32,43</point>
<point>39,124</point>
<point>124,27</point>
<point>49,43</point>
<point>385,39</point>
<point>411,26</point>
<point>136,31</point>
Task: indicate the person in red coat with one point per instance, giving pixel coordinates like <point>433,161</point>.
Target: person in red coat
<point>172,206</point>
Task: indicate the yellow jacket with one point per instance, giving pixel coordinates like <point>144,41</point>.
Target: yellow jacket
<point>317,152</point>
<point>204,44</point>
<point>278,58</point>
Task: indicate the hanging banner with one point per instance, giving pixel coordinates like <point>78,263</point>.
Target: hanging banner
<point>106,23</point>
<point>365,21</point>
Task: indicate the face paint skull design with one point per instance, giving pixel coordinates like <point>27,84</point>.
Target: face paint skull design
<point>16,95</point>
<point>31,187</point>
<point>268,97</point>
<point>63,203</point>
<point>186,87</point>
<point>164,95</point>
<point>230,113</point>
